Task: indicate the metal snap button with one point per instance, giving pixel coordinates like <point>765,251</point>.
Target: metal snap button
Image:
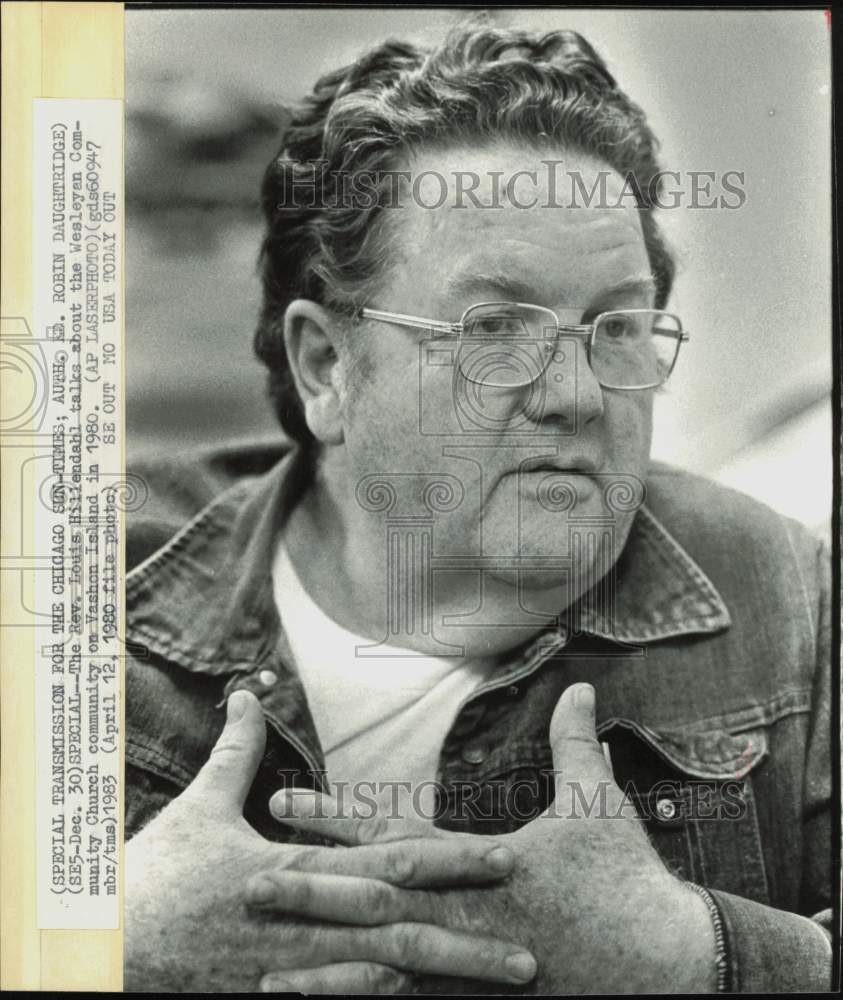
<point>666,809</point>
<point>474,755</point>
<point>512,691</point>
<point>268,678</point>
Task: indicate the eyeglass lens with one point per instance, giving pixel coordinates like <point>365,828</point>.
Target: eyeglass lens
<point>512,345</point>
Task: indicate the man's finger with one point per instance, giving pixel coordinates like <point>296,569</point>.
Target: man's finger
<point>345,823</point>
<point>225,780</point>
<point>411,863</point>
<point>342,899</point>
<point>426,949</point>
<point>353,978</point>
<point>577,754</point>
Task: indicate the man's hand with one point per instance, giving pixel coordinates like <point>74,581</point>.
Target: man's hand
<point>188,927</point>
<point>590,897</point>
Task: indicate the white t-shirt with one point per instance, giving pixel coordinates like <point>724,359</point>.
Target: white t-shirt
<point>379,719</point>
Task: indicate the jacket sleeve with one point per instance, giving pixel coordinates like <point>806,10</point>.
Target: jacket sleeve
<point>765,950</point>
<point>772,951</point>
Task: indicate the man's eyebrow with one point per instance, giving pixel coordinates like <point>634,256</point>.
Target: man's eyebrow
<point>513,290</point>
<point>637,283</point>
<point>510,288</point>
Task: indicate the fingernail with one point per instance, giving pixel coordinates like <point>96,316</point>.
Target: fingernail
<point>500,858</point>
<point>584,697</point>
<point>269,984</point>
<point>235,707</point>
<point>261,890</point>
<point>522,966</point>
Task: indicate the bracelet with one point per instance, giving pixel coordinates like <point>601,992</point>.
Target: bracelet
<point>721,959</point>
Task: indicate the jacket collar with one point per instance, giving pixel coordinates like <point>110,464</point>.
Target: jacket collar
<point>205,599</point>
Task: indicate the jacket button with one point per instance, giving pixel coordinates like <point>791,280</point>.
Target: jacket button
<point>268,678</point>
<point>512,691</point>
<point>666,809</point>
<point>474,755</point>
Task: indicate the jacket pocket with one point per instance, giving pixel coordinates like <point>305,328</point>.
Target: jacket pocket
<point>694,794</point>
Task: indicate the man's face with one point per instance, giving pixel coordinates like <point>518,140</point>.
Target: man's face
<point>414,412</point>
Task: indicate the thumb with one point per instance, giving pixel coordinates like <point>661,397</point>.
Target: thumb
<point>227,776</point>
<point>577,754</point>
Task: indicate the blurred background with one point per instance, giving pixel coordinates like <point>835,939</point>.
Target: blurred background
<point>724,90</point>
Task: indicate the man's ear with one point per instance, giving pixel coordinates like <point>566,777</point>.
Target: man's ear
<point>311,336</point>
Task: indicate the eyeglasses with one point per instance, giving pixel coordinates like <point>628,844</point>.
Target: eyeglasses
<point>511,344</point>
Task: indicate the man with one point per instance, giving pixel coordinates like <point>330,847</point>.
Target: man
<point>466,569</point>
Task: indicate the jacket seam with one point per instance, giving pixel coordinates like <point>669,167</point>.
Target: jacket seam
<point>186,657</point>
<point>796,701</point>
<point>806,598</point>
<point>147,758</point>
<point>208,515</point>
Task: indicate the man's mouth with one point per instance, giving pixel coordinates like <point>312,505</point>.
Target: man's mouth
<point>533,478</point>
<point>579,466</point>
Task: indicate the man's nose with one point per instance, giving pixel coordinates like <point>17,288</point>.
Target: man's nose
<point>572,393</point>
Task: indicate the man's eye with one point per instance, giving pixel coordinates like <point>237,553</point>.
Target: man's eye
<point>618,327</point>
<point>497,326</point>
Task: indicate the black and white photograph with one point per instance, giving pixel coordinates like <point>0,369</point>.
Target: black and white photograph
<point>479,597</point>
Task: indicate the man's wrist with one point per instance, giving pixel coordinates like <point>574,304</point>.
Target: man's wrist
<point>685,946</point>
<point>700,963</point>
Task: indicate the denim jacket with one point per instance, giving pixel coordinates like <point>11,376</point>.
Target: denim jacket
<point>713,690</point>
